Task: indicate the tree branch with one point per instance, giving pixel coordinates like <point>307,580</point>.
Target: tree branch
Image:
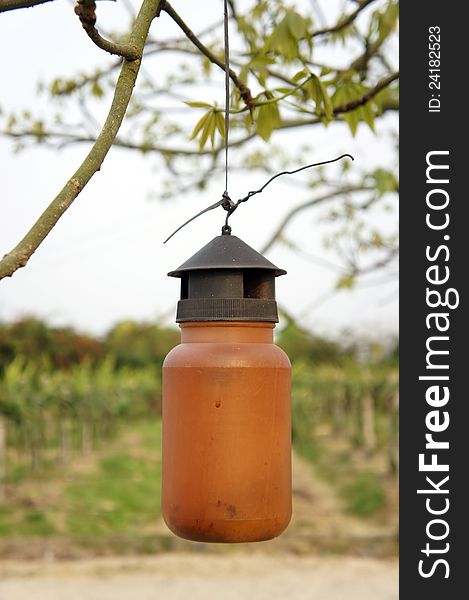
<point>14,4</point>
<point>244,91</point>
<point>294,211</point>
<point>71,138</point>
<point>232,6</point>
<point>86,11</point>
<point>392,253</point>
<point>360,64</point>
<point>344,21</point>
<point>290,124</point>
<point>343,108</point>
<point>19,256</point>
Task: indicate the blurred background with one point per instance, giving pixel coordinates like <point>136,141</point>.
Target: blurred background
<point>85,326</point>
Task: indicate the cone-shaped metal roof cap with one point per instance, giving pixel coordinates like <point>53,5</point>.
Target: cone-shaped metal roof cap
<point>226,252</point>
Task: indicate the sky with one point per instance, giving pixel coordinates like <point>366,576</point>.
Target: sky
<point>105,260</point>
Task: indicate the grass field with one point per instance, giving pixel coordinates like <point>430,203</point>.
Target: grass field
<point>108,502</point>
<point>114,491</point>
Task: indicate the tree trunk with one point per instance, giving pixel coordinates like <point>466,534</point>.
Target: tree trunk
<point>368,422</point>
<point>64,441</point>
<point>339,412</point>
<point>86,437</point>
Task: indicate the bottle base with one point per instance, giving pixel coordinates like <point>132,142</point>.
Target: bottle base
<point>228,531</point>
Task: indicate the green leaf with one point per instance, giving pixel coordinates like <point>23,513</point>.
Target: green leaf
<point>325,71</point>
<point>297,25</point>
<point>300,75</point>
<point>199,125</point>
<point>207,126</point>
<point>348,92</point>
<point>243,74</point>
<point>385,181</point>
<point>206,66</point>
<point>63,87</point>
<point>377,240</point>
<point>352,119</point>
<point>38,130</point>
<point>55,87</point>
<point>268,119</point>
<point>212,128</point>
<point>282,41</point>
<point>11,122</point>
<point>259,9</point>
<point>258,65</point>
<point>196,104</point>
<point>97,90</point>
<point>387,20</point>
<point>246,28</point>
<point>318,92</point>
<point>346,282</point>
<point>208,130</point>
<point>366,114</point>
<point>220,124</point>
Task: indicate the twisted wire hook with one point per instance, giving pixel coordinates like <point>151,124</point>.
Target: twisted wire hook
<point>227,204</point>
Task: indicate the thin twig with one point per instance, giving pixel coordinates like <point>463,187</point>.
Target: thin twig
<point>15,4</point>
<point>344,21</point>
<point>244,91</point>
<point>314,202</point>
<point>86,11</point>
<point>234,12</point>
<point>393,252</point>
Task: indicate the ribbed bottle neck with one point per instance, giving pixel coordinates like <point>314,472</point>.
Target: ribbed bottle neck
<point>221,331</point>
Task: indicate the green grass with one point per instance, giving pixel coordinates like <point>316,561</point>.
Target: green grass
<point>117,495</point>
<point>364,496</point>
<point>122,495</point>
<point>302,439</point>
<point>30,523</point>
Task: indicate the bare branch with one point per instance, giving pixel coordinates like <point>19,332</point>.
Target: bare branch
<point>371,48</point>
<point>15,4</point>
<point>244,91</point>
<point>19,256</point>
<point>86,11</point>
<point>344,21</point>
<point>392,253</point>
<point>318,260</point>
<point>318,200</point>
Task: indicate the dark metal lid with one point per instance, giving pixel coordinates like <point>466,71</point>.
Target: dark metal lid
<point>227,252</point>
<point>227,280</point>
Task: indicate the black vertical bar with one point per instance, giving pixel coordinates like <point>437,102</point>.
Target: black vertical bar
<point>433,119</point>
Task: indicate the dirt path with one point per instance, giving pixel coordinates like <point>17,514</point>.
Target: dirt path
<point>321,525</point>
<point>188,576</point>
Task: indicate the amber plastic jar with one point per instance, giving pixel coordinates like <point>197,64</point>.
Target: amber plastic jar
<point>226,434</point>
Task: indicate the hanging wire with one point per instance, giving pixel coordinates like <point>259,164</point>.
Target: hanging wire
<point>227,91</point>
<point>231,206</point>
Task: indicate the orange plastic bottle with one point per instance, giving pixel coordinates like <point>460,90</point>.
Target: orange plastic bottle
<point>226,402</point>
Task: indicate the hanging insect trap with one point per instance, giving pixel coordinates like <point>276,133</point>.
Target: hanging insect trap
<point>226,390</point>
